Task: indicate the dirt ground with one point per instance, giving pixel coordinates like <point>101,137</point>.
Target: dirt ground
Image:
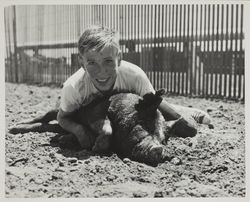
<point>211,164</point>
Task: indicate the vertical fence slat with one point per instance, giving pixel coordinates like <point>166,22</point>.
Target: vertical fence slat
<point>111,16</point>
<point>121,24</point>
<point>125,27</point>
<point>183,63</point>
<point>30,37</point>
<point>231,51</point>
<point>39,9</point>
<point>146,49</point>
<point>180,52</point>
<point>203,51</point>
<point>216,58</point>
<point>8,59</point>
<point>200,53</point>
<point>191,53</point>
<point>187,47</point>
<point>207,52</point>
<point>151,42</point>
<point>169,50</point>
<point>159,48</point>
<point>195,51</point>
<point>154,44</point>
<point>235,51</point>
<point>128,31</point>
<point>61,71</point>
<point>212,53</point>
<point>241,68</point>
<point>226,58</point>
<point>37,37</point>
<point>165,47</point>
<point>142,39</point>
<point>162,47</point>
<point>175,48</point>
<point>152,49</point>
<point>221,63</point>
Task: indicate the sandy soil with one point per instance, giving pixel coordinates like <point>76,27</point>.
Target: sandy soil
<point>210,164</point>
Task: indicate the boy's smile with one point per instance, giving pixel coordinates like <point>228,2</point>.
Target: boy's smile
<point>101,67</point>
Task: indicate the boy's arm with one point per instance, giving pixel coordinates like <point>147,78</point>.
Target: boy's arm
<point>143,86</point>
<point>81,133</point>
<point>168,111</point>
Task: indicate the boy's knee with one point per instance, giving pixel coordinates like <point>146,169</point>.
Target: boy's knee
<point>183,128</point>
<point>191,131</point>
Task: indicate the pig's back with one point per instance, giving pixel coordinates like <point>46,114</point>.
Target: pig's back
<point>122,109</point>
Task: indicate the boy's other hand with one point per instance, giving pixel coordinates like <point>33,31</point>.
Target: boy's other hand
<point>85,137</point>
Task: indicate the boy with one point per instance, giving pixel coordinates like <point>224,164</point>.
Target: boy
<point>102,73</point>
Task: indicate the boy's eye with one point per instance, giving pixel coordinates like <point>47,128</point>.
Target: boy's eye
<point>108,61</point>
<point>91,63</point>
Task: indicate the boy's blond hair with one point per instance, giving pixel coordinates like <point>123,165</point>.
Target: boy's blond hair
<point>97,37</point>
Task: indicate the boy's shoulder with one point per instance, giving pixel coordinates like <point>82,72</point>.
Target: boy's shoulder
<point>75,78</point>
<point>130,69</point>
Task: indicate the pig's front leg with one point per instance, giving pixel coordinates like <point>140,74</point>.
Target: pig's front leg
<point>104,131</point>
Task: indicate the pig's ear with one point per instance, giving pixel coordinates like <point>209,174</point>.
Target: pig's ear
<point>160,92</point>
<point>149,103</point>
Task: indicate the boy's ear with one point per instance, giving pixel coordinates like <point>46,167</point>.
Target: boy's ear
<point>119,58</point>
<point>80,60</point>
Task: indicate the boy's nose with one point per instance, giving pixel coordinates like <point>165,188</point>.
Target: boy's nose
<point>102,69</point>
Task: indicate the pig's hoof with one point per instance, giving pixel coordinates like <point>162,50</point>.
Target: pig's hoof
<point>14,130</point>
<point>102,144</point>
<point>20,129</point>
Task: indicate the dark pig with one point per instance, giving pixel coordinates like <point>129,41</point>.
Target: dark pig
<point>130,125</point>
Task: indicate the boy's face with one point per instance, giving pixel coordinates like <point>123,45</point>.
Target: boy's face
<point>101,67</point>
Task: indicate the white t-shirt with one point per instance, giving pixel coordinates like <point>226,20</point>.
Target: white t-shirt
<point>78,90</point>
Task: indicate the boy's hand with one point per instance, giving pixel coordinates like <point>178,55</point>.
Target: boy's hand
<point>102,143</point>
<point>84,137</point>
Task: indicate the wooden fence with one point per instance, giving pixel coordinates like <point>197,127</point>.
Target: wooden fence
<point>191,50</point>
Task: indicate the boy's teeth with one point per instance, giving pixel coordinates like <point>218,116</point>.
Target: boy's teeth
<point>102,80</point>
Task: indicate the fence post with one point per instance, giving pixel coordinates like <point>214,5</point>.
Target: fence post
<point>15,44</point>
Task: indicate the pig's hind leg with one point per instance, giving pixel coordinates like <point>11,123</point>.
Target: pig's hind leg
<point>37,127</point>
<point>38,124</point>
<point>46,118</point>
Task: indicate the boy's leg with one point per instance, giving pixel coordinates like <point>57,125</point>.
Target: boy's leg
<point>184,126</point>
<point>198,115</point>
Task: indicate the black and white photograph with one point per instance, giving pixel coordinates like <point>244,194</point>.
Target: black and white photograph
<point>124,99</point>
